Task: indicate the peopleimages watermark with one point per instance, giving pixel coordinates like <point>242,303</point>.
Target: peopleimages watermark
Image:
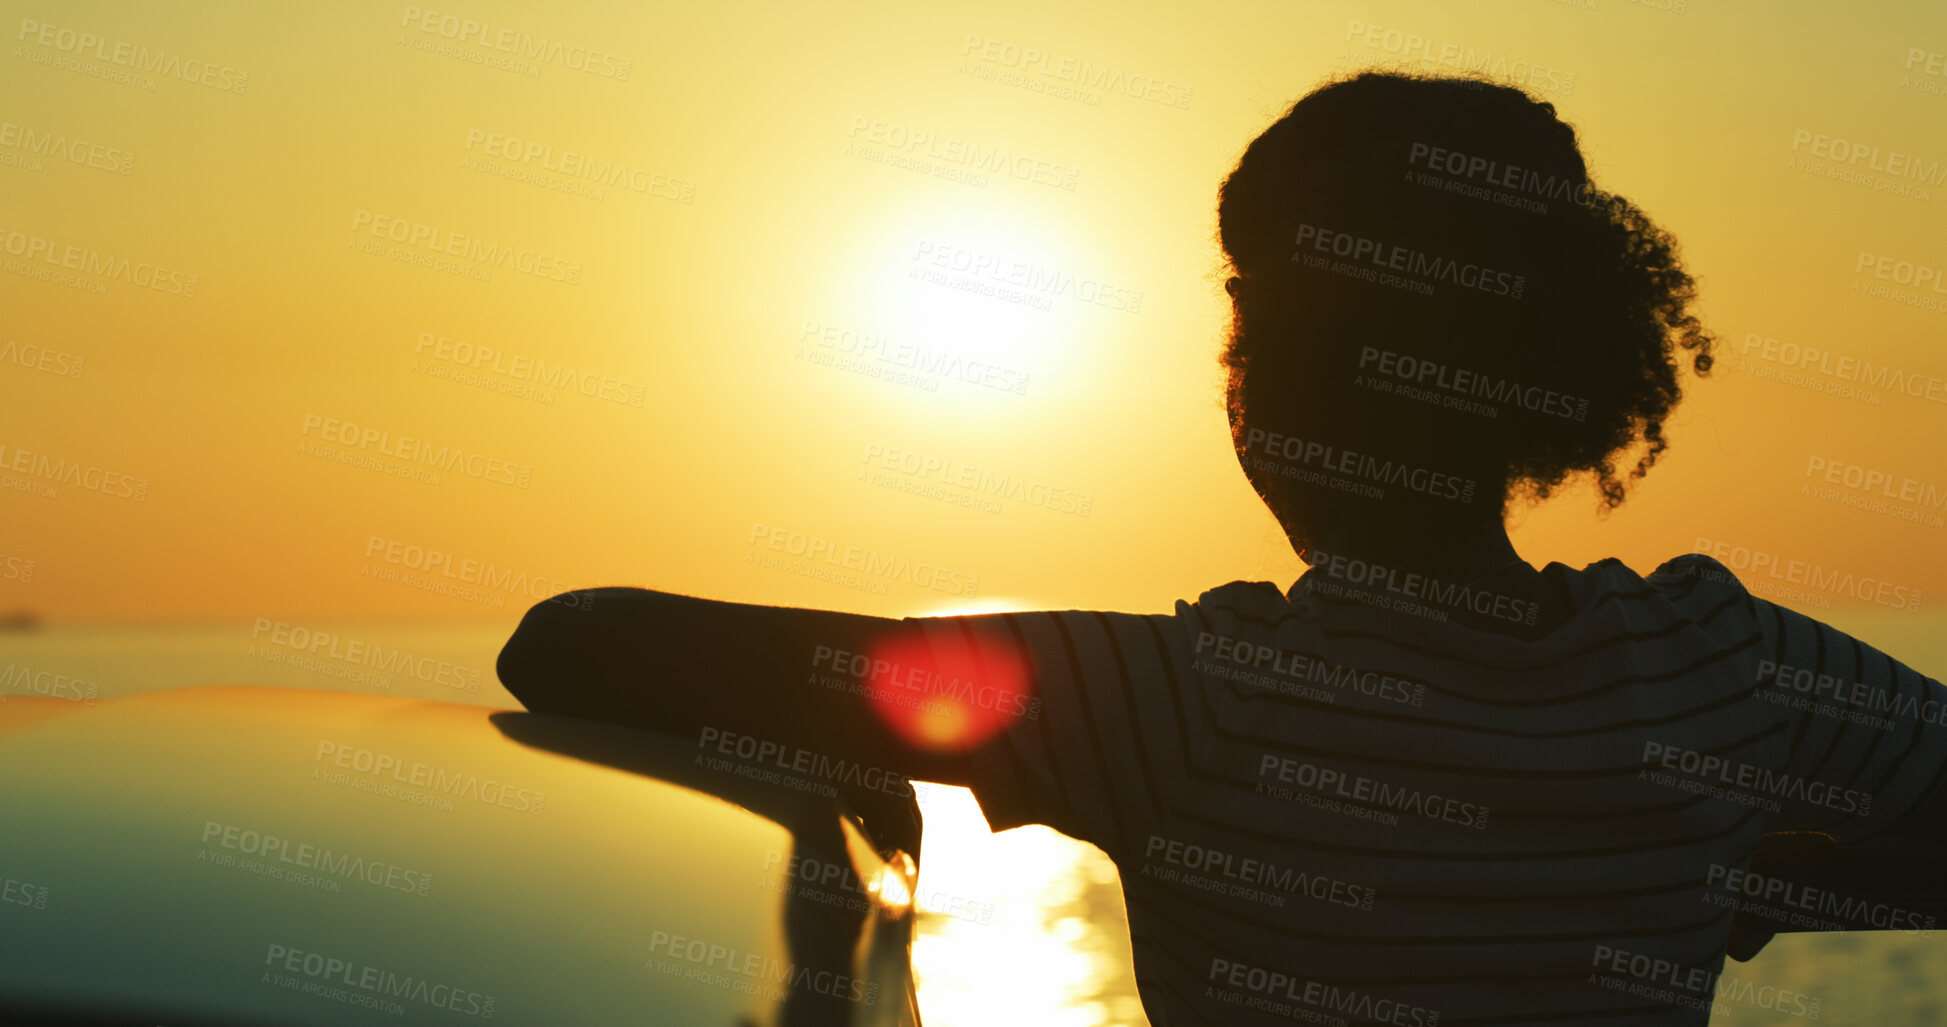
<point>134,57</point>
<point>836,884</point>
<point>1339,786</point>
<point>1321,463</point>
<point>1925,71</point>
<point>1299,998</point>
<point>1912,276</point>
<point>302,863</point>
<point>1466,389</point>
<point>87,268</point>
<point>567,171</point>
<point>1784,573</point>
<point>38,474</point>
<point>1870,489</point>
<point>977,483</point>
<point>517,43</point>
<point>470,256</point>
<point>1805,906</point>
<point>902,363</point>
<point>1079,73</point>
<point>15,892</point>
<point>1215,870</point>
<point>1824,371</point>
<point>516,369</point>
<point>1018,281</point>
<point>1292,672</point>
<point>1412,48</point>
<point>360,654</point>
<point>24,680</point>
<point>16,568</point>
<point>58,363</point>
<point>1419,271</point>
<point>1691,987</point>
<point>795,767</point>
<point>1499,182</point>
<point>827,560</point>
<point>838,683</point>
<point>415,455</point>
<point>1411,592</point>
<point>1859,476</point>
<point>1890,172</point>
<point>912,685</point>
<point>1843,699</point>
<point>1747,784</point>
<point>952,156</point>
<point>1901,272</point>
<point>751,973</point>
<point>462,577</point>
<point>36,146</point>
<point>389,770</point>
<point>366,985</point>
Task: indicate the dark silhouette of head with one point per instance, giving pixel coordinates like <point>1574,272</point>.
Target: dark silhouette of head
<point>1431,297</point>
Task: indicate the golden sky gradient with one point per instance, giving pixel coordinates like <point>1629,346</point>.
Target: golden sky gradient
<point>759,214</point>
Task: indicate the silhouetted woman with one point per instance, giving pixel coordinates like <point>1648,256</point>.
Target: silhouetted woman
<point>1427,783</point>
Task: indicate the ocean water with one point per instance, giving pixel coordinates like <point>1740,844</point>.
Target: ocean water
<point>1029,907</point>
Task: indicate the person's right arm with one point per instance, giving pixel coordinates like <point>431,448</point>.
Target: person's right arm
<point>1869,748</point>
<point>1887,853</point>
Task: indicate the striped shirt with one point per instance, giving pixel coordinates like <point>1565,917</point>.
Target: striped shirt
<point>1333,808</point>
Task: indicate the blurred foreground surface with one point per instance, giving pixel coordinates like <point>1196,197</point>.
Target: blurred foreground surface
<point>1024,926</point>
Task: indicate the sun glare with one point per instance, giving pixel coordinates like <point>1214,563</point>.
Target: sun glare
<point>972,294</point>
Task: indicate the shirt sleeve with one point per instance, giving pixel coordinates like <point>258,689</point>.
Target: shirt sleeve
<point>1093,749</point>
<point>1868,750</point>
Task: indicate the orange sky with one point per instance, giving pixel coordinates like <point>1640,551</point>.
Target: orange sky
<point>263,264</point>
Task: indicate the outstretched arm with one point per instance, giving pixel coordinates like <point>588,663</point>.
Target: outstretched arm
<point>713,670</point>
<point>1867,730</point>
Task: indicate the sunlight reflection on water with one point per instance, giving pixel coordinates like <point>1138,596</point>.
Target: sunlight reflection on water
<point>1022,926</point>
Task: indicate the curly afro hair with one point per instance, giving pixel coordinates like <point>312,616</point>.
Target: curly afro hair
<point>1426,287</point>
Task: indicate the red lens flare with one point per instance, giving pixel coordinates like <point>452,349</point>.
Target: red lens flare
<point>948,701</point>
